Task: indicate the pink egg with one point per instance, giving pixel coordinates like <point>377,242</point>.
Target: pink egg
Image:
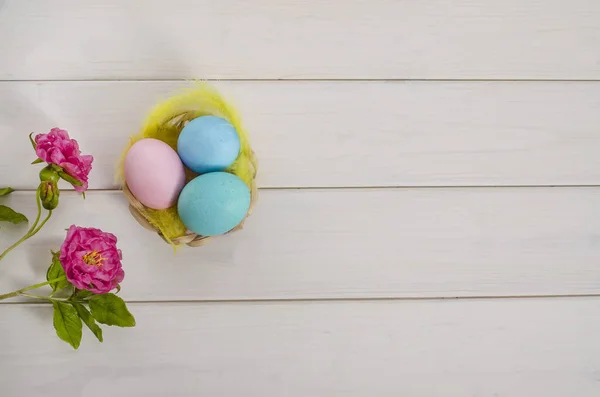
<point>154,173</point>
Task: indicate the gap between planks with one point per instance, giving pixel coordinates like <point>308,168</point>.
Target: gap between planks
<point>309,300</point>
<point>318,80</point>
<point>374,187</point>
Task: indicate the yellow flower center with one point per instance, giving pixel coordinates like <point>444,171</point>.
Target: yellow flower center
<point>94,258</point>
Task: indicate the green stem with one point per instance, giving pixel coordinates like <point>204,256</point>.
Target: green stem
<point>42,224</point>
<point>48,298</point>
<point>12,247</point>
<point>32,230</point>
<point>34,286</point>
<point>38,201</point>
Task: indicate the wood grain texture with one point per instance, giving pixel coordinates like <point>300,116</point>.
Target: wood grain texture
<point>326,292</point>
<point>516,348</point>
<point>348,244</point>
<point>335,134</point>
<point>310,39</point>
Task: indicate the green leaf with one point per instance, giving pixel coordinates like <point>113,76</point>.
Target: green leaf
<point>7,214</point>
<point>82,294</point>
<point>69,178</point>
<point>87,318</point>
<point>37,161</point>
<point>55,271</point>
<point>67,323</point>
<point>109,309</point>
<point>32,141</point>
<point>6,190</point>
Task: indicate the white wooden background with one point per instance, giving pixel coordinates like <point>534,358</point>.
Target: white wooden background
<point>428,223</point>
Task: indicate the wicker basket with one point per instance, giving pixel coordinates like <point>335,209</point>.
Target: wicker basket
<point>165,122</point>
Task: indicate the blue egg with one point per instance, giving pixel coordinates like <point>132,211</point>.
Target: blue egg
<point>214,203</point>
<point>208,144</point>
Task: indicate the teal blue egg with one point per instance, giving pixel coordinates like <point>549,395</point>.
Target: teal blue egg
<point>214,203</point>
<point>208,144</point>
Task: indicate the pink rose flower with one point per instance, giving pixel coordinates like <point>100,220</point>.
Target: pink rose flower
<point>91,259</point>
<point>57,148</point>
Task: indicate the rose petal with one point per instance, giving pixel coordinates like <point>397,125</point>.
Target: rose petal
<point>102,276</point>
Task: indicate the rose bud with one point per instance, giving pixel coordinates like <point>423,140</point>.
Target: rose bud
<point>49,193</point>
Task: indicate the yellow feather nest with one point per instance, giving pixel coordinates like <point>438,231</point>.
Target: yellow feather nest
<point>165,122</point>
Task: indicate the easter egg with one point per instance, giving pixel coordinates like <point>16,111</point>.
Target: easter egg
<point>154,173</point>
<point>214,203</point>
<point>208,144</point>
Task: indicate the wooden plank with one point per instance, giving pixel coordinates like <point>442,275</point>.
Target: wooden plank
<point>311,39</point>
<point>348,244</point>
<point>517,348</point>
<point>313,134</point>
